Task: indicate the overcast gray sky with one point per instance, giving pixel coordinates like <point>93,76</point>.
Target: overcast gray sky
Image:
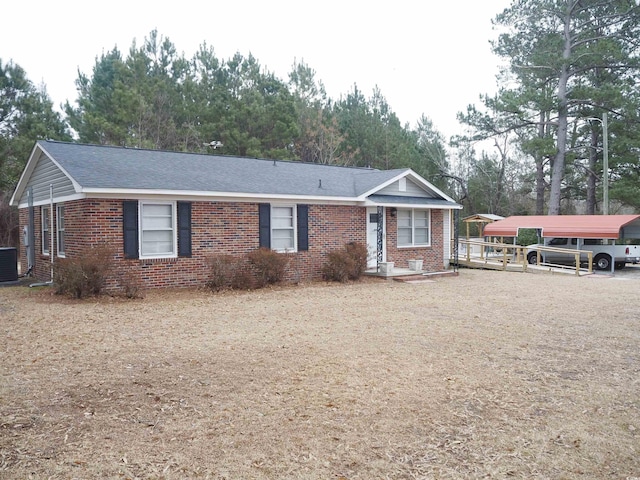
<point>430,57</point>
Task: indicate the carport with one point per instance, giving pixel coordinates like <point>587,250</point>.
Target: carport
<point>611,227</point>
<point>608,227</point>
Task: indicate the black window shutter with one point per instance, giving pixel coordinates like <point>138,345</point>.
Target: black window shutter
<point>303,227</point>
<point>264,214</point>
<point>184,229</point>
<point>130,228</point>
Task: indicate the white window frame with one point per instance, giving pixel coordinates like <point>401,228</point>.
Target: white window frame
<point>60,231</point>
<point>44,229</point>
<point>413,228</point>
<point>293,228</point>
<point>174,229</point>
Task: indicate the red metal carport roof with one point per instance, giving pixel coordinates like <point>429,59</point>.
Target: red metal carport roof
<point>578,226</point>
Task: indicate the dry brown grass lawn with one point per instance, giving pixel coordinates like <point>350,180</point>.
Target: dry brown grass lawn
<point>485,375</point>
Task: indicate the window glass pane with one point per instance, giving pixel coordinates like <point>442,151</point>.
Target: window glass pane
<point>282,217</point>
<point>404,236</point>
<point>281,222</point>
<point>282,228</point>
<point>150,248</point>
<point>157,230</point>
<point>157,210</point>
<point>161,223</point>
<point>282,239</point>
<point>157,241</point>
<point>156,217</point>
<point>44,212</point>
<point>404,218</point>
<point>422,236</point>
<point>60,223</point>
<point>421,219</point>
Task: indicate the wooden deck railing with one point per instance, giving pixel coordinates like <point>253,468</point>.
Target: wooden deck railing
<point>516,254</point>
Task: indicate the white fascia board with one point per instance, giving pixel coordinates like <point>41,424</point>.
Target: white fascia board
<point>26,173</point>
<point>434,206</point>
<point>212,196</point>
<point>30,167</point>
<point>66,198</point>
<point>432,187</point>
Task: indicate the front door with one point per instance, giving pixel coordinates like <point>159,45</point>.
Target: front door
<point>372,238</point>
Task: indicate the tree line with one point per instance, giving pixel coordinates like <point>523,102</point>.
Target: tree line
<point>536,146</point>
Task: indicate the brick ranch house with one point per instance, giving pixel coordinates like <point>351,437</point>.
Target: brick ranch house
<point>164,213</point>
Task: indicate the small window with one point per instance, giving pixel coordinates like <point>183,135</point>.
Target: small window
<point>44,213</point>
<point>283,232</point>
<point>60,230</point>
<point>558,241</point>
<point>413,228</point>
<point>157,230</point>
<point>592,241</point>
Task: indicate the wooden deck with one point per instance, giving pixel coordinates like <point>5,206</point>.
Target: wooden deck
<point>500,256</point>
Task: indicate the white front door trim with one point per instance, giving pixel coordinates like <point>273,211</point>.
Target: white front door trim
<point>372,237</point>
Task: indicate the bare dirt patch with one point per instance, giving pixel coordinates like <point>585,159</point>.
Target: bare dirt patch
<point>485,375</point>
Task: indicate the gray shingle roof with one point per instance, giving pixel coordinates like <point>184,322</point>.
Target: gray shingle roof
<point>106,167</point>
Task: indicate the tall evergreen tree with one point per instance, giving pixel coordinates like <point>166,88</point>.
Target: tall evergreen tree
<point>26,115</point>
<point>564,41</point>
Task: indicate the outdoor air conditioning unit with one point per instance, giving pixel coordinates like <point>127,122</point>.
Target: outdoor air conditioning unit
<point>8,264</point>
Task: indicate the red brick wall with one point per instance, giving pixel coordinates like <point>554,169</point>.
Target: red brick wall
<point>221,228</point>
<point>432,256</point>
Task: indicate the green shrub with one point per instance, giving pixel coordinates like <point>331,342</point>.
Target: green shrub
<point>527,236</point>
<point>268,266</point>
<point>348,263</point>
<point>84,274</point>
<point>228,271</point>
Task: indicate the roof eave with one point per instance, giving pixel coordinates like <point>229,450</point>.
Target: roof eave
<point>214,196</point>
<point>432,205</point>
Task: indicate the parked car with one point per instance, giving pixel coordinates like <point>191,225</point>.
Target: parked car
<point>603,253</point>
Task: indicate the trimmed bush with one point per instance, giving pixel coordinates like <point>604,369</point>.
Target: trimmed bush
<point>358,253</point>
<point>348,263</point>
<point>130,285</point>
<point>85,274</point>
<point>268,266</point>
<point>338,266</point>
<point>228,271</point>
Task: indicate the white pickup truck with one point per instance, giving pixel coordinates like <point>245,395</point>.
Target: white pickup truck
<point>602,252</point>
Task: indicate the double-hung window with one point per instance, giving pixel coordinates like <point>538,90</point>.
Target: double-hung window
<point>413,228</point>
<point>283,228</point>
<point>158,235</point>
<point>44,213</point>
<point>60,230</point>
